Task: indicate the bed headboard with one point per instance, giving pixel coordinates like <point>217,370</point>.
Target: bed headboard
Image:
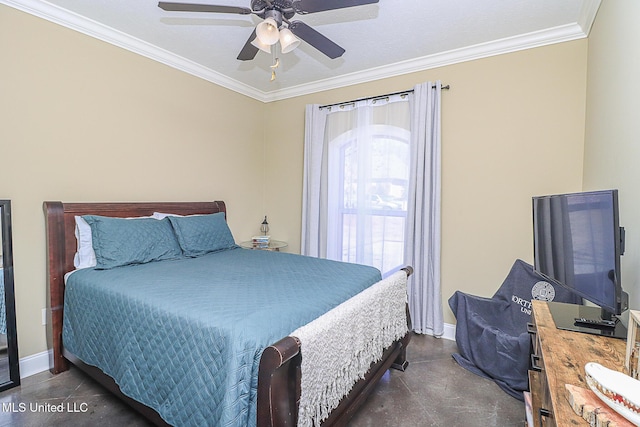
<point>61,247</point>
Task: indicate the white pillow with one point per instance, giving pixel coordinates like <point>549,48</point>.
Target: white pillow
<point>85,257</point>
<point>160,215</point>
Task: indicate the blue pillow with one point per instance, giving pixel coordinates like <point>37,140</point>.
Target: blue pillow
<point>120,241</point>
<point>201,234</point>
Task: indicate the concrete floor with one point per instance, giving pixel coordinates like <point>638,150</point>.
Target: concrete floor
<point>434,391</point>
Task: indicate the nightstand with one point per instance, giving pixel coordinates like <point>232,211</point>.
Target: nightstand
<point>274,245</point>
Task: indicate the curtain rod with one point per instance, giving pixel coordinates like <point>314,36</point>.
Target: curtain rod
<point>376,97</point>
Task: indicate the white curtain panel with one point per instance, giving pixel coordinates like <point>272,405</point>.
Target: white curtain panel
<point>354,155</point>
<point>314,192</point>
<point>368,162</point>
<point>422,242</point>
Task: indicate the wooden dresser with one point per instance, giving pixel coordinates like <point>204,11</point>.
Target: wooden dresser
<point>558,358</point>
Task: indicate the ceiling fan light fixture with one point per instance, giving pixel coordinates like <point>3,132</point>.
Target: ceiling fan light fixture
<point>267,31</point>
<point>288,41</point>
<point>263,47</point>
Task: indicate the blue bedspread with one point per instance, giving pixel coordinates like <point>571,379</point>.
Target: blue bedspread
<point>185,336</point>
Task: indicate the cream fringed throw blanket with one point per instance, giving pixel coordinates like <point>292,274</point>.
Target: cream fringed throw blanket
<point>339,347</point>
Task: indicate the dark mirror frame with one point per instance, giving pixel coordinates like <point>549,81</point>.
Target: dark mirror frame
<point>10,307</point>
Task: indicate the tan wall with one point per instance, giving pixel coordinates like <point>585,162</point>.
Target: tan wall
<point>512,127</point>
<point>612,141</point>
<point>82,120</point>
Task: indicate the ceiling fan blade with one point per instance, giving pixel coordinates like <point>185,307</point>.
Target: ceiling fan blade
<point>190,7</point>
<point>248,51</point>
<point>311,6</point>
<point>316,39</point>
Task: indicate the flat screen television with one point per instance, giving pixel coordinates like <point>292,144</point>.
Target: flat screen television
<point>577,244</point>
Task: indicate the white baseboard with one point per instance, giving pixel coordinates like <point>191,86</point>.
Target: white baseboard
<point>449,332</point>
<point>35,363</point>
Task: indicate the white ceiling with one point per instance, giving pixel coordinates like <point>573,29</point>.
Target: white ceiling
<point>388,38</point>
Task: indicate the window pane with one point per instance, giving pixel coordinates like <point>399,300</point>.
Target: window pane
<point>370,194</point>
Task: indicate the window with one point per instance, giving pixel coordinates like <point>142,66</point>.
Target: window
<point>368,176</point>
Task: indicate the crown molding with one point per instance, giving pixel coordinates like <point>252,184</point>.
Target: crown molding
<point>99,31</point>
<point>532,40</point>
<point>73,21</point>
<point>588,14</point>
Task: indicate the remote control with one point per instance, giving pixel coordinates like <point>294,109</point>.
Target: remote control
<point>595,323</point>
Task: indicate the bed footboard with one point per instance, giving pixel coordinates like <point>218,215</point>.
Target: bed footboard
<point>280,373</point>
<point>279,384</point>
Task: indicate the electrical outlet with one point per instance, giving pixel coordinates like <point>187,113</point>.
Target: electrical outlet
<point>44,317</point>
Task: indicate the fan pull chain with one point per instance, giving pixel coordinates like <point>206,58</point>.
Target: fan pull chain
<point>276,64</point>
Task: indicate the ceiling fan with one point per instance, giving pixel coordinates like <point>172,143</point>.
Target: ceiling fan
<point>276,25</point>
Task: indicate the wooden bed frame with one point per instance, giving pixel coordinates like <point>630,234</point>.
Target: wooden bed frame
<point>279,372</point>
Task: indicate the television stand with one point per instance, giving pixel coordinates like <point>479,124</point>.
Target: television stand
<point>558,358</point>
<point>569,317</point>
